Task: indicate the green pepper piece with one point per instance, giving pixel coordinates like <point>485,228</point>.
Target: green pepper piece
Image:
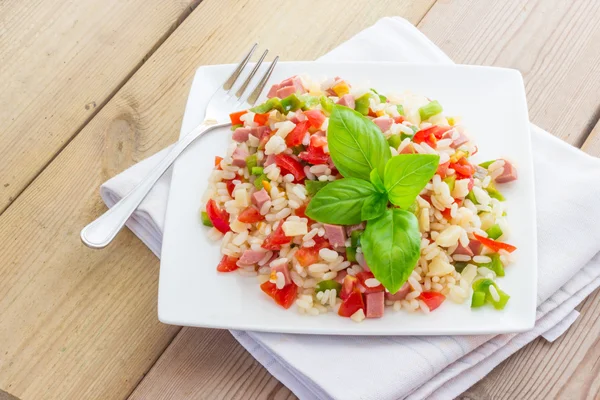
<point>494,231</point>
<point>496,265</point>
<point>429,110</point>
<point>351,254</point>
<point>478,299</point>
<point>382,98</point>
<point>328,285</point>
<point>400,109</point>
<point>362,104</point>
<point>291,103</point>
<point>494,193</point>
<point>471,196</point>
<point>251,162</point>
<point>205,220</point>
<point>500,304</point>
<point>312,187</point>
<point>394,141</point>
<point>309,101</point>
<point>234,127</point>
<point>257,170</point>
<point>450,181</point>
<point>486,164</point>
<point>258,182</point>
<point>272,103</point>
<point>414,128</point>
<point>326,104</point>
<point>298,149</point>
<point>459,266</point>
<point>404,136</point>
<point>355,237</point>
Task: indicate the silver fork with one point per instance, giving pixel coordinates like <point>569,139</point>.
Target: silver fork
<point>102,231</point>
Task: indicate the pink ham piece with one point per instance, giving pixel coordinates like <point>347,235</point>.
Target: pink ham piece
<point>259,198</point>
<point>466,251</point>
<point>335,234</point>
<point>408,149</point>
<point>273,90</point>
<point>509,174</point>
<point>286,91</point>
<point>339,278</point>
<point>347,100</point>
<point>269,160</point>
<point>241,134</point>
<point>357,227</point>
<point>475,246</point>
<point>400,294</point>
<point>259,131</point>
<point>294,82</point>
<point>375,304</point>
<point>384,123</point>
<point>250,257</point>
<point>285,271</point>
<point>298,117</point>
<point>239,157</point>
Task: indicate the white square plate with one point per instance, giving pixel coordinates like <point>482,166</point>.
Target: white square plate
<point>494,110</point>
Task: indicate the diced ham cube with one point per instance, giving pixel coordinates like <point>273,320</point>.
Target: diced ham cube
<point>259,198</point>
<point>400,294</point>
<point>347,100</point>
<point>269,160</point>
<point>384,123</point>
<point>285,271</point>
<point>357,227</point>
<point>241,134</point>
<point>250,257</point>
<point>273,90</point>
<point>294,82</point>
<point>336,234</point>
<point>286,91</point>
<point>475,246</point>
<point>467,251</point>
<point>409,149</point>
<point>339,278</point>
<point>298,117</point>
<point>459,141</point>
<point>239,157</point>
<point>509,174</point>
<point>375,304</point>
<point>259,131</point>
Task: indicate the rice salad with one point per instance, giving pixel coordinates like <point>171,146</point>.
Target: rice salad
<point>346,200</point>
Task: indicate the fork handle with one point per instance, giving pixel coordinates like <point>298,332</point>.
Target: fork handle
<point>102,231</point>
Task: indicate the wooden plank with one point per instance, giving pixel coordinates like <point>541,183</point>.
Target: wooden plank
<point>59,63</point>
<point>208,364</point>
<point>554,43</point>
<point>592,143</point>
<point>496,36</point>
<point>79,323</point>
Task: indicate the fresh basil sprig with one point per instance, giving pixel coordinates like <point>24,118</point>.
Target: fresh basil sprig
<point>373,179</point>
<point>342,202</point>
<point>356,144</point>
<point>392,246</point>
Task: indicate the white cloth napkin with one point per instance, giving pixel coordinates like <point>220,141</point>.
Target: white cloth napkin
<point>322,367</point>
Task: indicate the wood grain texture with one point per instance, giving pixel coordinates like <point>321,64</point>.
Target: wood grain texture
<point>208,364</point>
<point>592,143</point>
<point>79,323</point>
<point>60,61</point>
<point>554,43</point>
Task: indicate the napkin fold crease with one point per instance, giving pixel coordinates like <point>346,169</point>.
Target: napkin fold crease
<point>435,367</point>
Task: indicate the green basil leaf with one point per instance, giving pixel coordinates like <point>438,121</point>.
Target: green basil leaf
<point>374,206</point>
<point>392,247</point>
<point>407,174</point>
<point>376,181</point>
<point>356,144</point>
<point>341,201</point>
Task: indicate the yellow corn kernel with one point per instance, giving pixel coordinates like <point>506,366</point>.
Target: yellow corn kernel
<point>451,121</point>
<point>341,88</point>
<point>380,113</point>
<point>457,156</point>
<point>267,186</point>
<point>273,276</point>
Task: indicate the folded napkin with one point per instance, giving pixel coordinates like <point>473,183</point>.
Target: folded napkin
<point>322,367</point>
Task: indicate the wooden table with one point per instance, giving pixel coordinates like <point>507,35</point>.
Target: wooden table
<point>90,87</point>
